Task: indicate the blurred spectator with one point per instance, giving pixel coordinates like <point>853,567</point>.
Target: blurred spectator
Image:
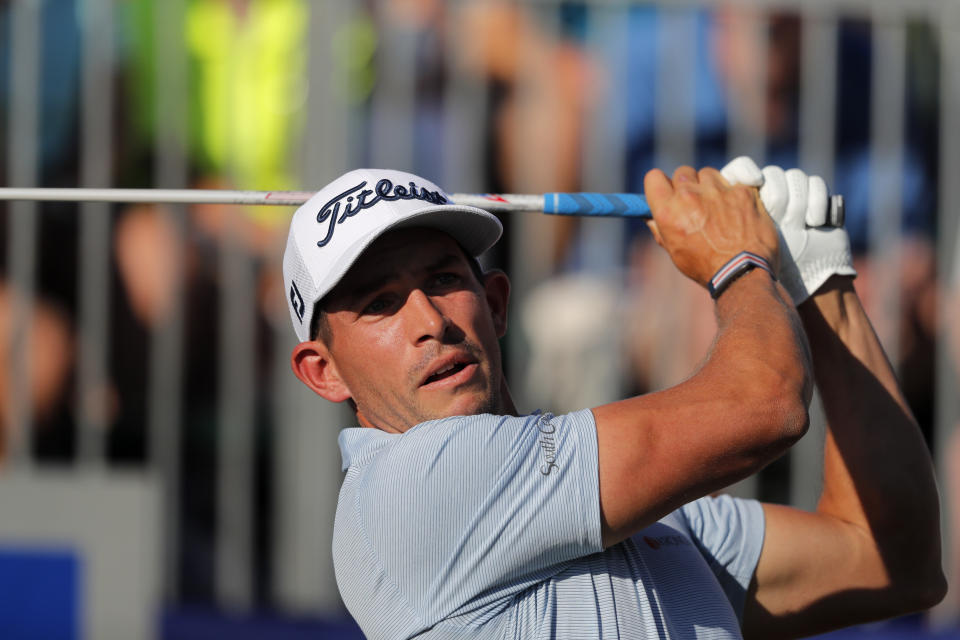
<point>146,242</point>
<point>724,64</point>
<point>543,89</point>
<point>59,59</point>
<point>247,69</point>
<point>951,456</point>
<point>247,101</point>
<point>675,324</point>
<point>547,87</point>
<point>50,354</point>
<point>247,109</point>
<point>50,351</point>
<point>247,85</point>
<point>572,359</point>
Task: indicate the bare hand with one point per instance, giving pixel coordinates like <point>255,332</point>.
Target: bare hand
<point>703,222</point>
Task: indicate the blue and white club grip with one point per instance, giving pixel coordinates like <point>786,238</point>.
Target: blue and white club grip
<point>589,204</point>
<point>635,205</point>
<point>596,204</point>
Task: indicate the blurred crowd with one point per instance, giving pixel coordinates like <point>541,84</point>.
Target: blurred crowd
<point>546,84</point>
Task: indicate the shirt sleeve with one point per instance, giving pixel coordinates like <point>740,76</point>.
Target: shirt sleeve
<point>729,533</point>
<point>468,510</point>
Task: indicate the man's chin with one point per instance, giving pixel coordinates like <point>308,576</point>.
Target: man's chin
<point>467,405</point>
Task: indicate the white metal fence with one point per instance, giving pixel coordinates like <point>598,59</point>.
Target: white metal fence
<point>534,96</point>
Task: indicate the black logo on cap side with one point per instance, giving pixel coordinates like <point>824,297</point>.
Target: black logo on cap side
<point>297,301</point>
<point>353,202</point>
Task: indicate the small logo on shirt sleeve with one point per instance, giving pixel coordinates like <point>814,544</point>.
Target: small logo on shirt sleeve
<point>548,443</point>
<point>668,541</point>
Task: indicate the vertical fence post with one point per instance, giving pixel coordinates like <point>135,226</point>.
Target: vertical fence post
<point>947,444</point>
<point>165,383</point>
<point>530,263</point>
<point>818,92</point>
<point>746,132</point>
<point>94,267</point>
<point>306,468</point>
<point>394,107</point>
<point>601,242</point>
<point>605,149</point>
<point>236,407</point>
<point>465,106</point>
<point>818,102</point>
<point>236,404</point>
<point>887,108</point>
<point>23,160</point>
<point>675,89</point>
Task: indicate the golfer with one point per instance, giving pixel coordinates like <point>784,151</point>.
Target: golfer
<point>462,516</point>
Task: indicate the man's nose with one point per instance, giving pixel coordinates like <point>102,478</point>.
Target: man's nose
<point>426,320</point>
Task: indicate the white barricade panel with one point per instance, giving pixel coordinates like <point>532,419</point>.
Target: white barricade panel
<point>84,551</point>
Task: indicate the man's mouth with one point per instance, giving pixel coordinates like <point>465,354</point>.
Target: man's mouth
<point>446,372</point>
<point>451,371</point>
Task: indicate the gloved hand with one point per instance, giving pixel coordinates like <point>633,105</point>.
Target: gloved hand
<point>799,204</point>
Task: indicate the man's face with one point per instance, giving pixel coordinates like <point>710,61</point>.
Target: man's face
<point>414,333</point>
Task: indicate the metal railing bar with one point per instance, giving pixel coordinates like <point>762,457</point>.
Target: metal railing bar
<point>947,410</point>
<point>818,93</point>
<point>675,91</point>
<point>529,263</point>
<point>747,135</point>
<point>236,406</point>
<point>165,383</point>
<point>394,110</point>
<point>887,108</point>
<point>605,152</point>
<point>465,103</point>
<point>306,468</point>
<point>94,267</point>
<point>602,242</point>
<point>23,160</point>
<point>746,121</point>
<point>235,395</point>
<point>817,142</point>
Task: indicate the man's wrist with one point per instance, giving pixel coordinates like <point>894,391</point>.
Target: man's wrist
<point>735,268</point>
<point>831,291</point>
<point>750,294</point>
<point>834,309</point>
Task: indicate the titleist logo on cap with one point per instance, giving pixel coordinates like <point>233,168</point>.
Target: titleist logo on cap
<point>353,202</point>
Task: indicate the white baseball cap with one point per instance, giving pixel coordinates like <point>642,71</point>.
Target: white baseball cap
<point>330,231</point>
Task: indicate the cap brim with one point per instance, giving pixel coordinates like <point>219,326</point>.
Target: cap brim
<point>474,229</point>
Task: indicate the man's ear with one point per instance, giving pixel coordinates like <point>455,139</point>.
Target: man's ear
<point>311,362</point>
<point>496,286</point>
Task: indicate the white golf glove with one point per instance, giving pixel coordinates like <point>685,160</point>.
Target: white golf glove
<point>799,204</point>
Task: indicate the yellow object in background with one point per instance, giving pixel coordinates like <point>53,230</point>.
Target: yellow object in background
<point>249,89</point>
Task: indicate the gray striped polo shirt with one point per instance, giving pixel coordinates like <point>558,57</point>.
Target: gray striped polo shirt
<point>489,527</point>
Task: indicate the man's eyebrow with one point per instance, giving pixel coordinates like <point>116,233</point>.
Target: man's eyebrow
<point>446,260</point>
<point>363,289</point>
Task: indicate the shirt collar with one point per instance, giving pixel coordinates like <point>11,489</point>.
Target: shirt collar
<point>359,443</point>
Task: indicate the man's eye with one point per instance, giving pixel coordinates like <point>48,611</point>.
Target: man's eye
<point>445,279</point>
<point>377,306</point>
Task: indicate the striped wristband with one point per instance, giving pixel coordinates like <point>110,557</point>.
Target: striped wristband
<point>736,267</point>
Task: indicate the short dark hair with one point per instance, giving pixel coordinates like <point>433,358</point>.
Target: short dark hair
<point>320,325</point>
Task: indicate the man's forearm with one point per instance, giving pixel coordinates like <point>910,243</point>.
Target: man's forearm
<point>877,471</point>
<point>763,327</point>
<point>744,407</point>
